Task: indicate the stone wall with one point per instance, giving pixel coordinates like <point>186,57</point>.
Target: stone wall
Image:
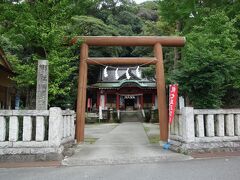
<point>35,134</point>
<point>205,130</point>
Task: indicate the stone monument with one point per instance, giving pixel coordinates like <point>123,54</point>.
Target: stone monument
<point>42,85</point>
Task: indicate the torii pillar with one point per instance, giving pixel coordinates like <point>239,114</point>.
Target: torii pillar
<point>82,88</point>
<point>161,93</point>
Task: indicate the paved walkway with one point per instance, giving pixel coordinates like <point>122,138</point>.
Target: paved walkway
<point>126,143</point>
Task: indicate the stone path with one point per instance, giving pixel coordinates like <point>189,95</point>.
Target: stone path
<point>124,144</point>
<point>152,129</point>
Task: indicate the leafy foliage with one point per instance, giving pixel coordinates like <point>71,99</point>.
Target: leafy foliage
<point>208,72</point>
<point>29,35</point>
<point>34,30</point>
<point>210,61</point>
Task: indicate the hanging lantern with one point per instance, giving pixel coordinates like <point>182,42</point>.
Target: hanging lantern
<point>138,72</point>
<point>116,74</point>
<point>105,74</point>
<point>127,74</point>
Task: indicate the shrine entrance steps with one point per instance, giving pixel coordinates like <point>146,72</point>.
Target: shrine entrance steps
<point>131,116</point>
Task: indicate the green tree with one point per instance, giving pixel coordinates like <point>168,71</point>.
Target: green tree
<point>210,62</point>
<point>188,18</point>
<point>29,34</point>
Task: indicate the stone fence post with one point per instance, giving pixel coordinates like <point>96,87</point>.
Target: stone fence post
<point>188,124</point>
<point>55,126</point>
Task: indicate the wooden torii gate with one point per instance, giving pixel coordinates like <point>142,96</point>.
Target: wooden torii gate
<point>157,42</point>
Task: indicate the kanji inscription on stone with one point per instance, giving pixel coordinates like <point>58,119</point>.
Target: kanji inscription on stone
<point>42,85</point>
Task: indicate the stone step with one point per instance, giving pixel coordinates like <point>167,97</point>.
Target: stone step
<point>131,116</point>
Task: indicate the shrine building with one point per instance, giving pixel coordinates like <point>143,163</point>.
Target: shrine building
<point>122,88</point>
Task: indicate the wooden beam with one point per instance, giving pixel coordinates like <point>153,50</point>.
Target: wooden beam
<point>121,61</point>
<point>81,98</point>
<point>161,93</point>
<point>175,41</point>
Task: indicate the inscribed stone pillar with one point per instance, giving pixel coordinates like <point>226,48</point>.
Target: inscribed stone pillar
<point>42,85</point>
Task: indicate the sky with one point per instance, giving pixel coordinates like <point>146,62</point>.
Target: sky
<point>140,1</point>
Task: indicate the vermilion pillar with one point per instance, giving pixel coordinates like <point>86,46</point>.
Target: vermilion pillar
<point>81,99</point>
<point>161,93</point>
<point>117,101</point>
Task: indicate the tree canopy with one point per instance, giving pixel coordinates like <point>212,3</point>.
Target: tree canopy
<point>206,69</point>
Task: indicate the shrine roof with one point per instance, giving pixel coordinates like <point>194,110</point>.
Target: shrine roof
<point>124,83</point>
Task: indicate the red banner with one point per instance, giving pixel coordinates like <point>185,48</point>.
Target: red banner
<point>173,95</point>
